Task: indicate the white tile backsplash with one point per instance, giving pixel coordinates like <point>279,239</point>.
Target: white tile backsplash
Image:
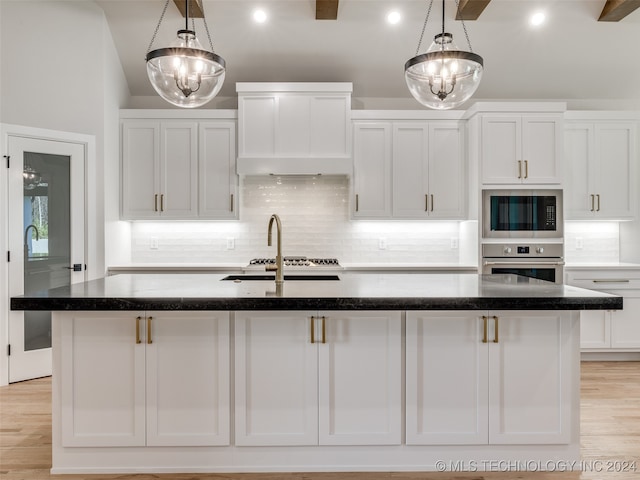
<point>592,242</point>
<point>316,221</point>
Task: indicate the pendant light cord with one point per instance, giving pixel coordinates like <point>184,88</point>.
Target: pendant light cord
<point>424,26</point>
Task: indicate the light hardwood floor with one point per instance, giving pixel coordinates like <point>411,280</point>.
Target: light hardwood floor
<point>610,418</point>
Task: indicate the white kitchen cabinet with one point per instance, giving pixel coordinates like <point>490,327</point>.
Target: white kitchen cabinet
<point>174,168</point>
<point>408,170</point>
<point>218,182</point>
<point>294,128</point>
<point>159,169</point>
<point>610,330</point>
<point>428,170</point>
<point>497,378</point>
<point>521,148</point>
<point>372,169</point>
<point>308,378</point>
<point>130,379</point>
<point>601,166</point>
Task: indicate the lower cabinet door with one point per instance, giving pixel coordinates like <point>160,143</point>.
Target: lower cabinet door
<point>276,374</point>
<point>530,372</point>
<point>446,378</point>
<point>102,379</point>
<point>595,329</point>
<point>360,378</point>
<point>187,355</point>
<point>625,323</point>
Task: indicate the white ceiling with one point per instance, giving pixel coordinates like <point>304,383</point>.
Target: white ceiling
<point>572,56</point>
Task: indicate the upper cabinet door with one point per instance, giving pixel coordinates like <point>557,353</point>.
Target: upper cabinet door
<point>179,169</point>
<point>447,185</point>
<point>372,170</point>
<point>140,169</point>
<point>520,149</point>
<point>218,182</point>
<point>411,170</point>
<point>579,152</point>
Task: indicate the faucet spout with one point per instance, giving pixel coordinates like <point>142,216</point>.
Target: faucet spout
<point>279,266</point>
<point>26,237</point>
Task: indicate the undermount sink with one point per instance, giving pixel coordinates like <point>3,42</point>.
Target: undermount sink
<point>287,277</point>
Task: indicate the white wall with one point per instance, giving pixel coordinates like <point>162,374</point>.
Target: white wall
<point>60,72</point>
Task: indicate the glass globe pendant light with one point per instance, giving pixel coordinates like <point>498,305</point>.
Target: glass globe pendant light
<point>444,77</point>
<point>184,73</point>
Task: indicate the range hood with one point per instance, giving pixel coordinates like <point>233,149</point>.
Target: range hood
<point>294,129</point>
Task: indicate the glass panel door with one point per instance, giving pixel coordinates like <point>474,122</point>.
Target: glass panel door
<point>46,230</point>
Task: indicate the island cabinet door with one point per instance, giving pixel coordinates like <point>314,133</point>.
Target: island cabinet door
<point>276,374</point>
<point>446,378</point>
<point>360,378</point>
<point>531,367</point>
<point>187,378</point>
<point>102,379</point>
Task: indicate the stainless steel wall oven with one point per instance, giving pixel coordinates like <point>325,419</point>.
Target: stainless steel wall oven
<point>541,261</point>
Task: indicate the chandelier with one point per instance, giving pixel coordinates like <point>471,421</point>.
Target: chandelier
<point>444,77</point>
<point>184,73</point>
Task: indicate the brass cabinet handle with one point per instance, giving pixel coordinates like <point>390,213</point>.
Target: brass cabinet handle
<point>432,202</point>
<point>149,341</point>
<point>162,202</point>
<point>495,329</point>
<point>138,340</point>
<point>313,330</point>
<point>593,205</point>
<point>519,168</point>
<point>598,198</point>
<point>485,329</point>
<point>324,330</point>
<point>231,203</point>
<point>526,169</point>
<point>357,203</point>
<point>426,202</point>
<point>155,202</point>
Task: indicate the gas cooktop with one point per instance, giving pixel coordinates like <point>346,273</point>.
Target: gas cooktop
<point>297,262</point>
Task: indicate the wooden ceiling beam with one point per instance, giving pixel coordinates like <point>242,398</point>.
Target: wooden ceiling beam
<point>471,9</point>
<point>616,10</point>
<point>326,9</point>
<point>195,8</point>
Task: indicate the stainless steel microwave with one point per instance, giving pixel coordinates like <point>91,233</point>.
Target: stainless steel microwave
<point>522,214</point>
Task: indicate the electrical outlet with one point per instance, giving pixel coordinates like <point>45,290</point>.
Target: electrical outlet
<point>382,243</point>
<point>579,243</point>
<point>231,243</point>
<point>153,243</point>
<point>454,243</point>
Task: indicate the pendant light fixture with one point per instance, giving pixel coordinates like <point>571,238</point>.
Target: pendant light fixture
<point>30,177</point>
<point>184,73</point>
<point>443,77</point>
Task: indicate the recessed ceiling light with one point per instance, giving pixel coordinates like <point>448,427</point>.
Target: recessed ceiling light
<point>259,16</point>
<point>537,19</point>
<point>393,17</point>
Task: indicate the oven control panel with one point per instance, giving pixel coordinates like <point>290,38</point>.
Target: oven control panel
<point>547,250</point>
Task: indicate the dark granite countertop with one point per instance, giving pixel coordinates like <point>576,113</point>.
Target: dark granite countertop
<point>352,292</point>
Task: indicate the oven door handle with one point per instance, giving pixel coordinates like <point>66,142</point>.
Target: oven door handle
<point>528,264</point>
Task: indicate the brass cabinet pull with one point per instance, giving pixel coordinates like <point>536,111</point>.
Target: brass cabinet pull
<point>324,330</point>
<point>155,202</point>
<point>593,205</point>
<point>526,169</point>
<point>495,329</point>
<point>313,330</point>
<point>426,202</point>
<point>598,198</point>
<point>519,168</point>
<point>149,341</point>
<point>357,203</point>
<point>162,202</point>
<point>138,340</point>
<point>485,329</point>
<point>432,202</point>
<point>231,203</point>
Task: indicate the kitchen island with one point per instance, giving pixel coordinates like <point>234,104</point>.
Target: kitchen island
<point>193,373</point>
